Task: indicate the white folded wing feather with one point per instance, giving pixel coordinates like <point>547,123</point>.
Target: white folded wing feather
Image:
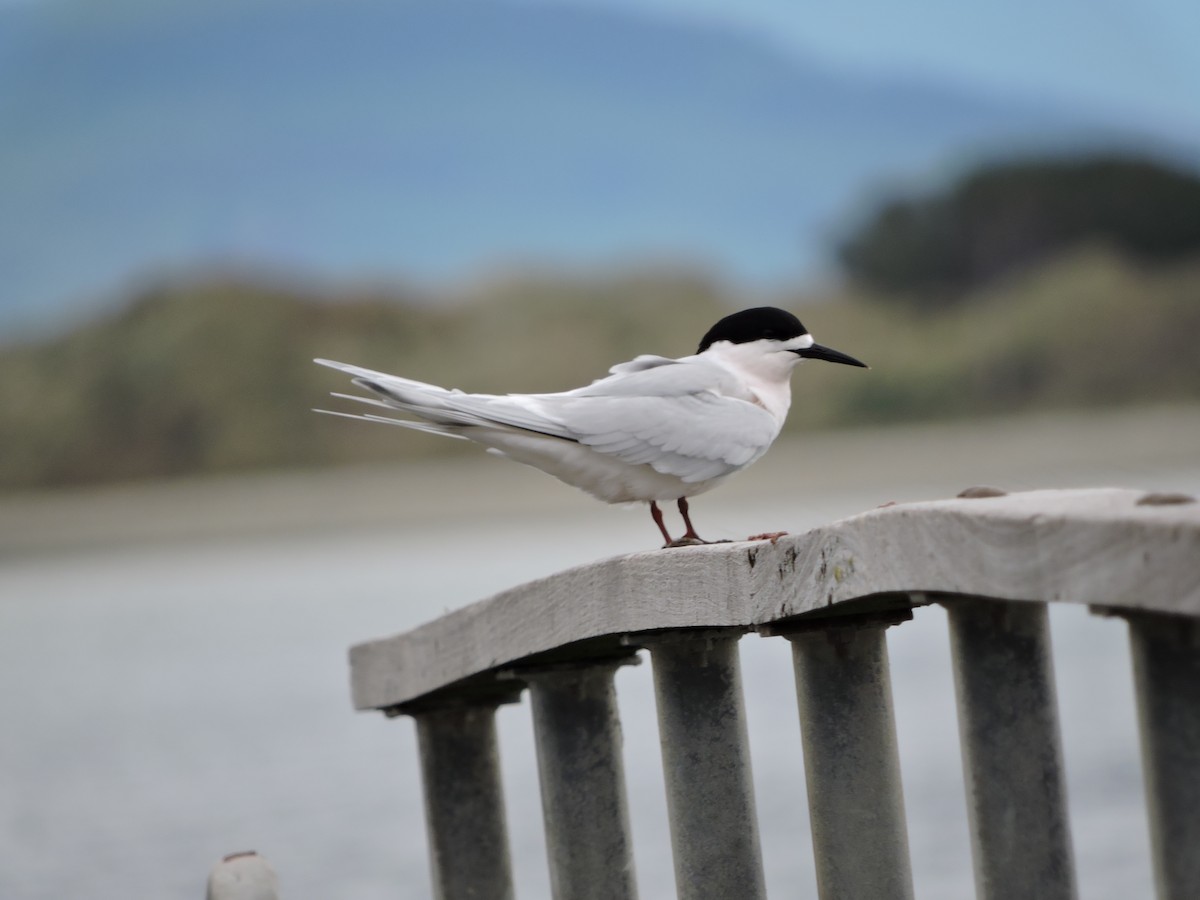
<point>687,418</point>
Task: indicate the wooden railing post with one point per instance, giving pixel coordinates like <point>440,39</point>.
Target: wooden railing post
<point>851,759</point>
<point>987,557</point>
<point>706,764</point>
<point>464,801</point>
<point>582,777</point>
<point>1012,751</point>
<point>1166,666</point>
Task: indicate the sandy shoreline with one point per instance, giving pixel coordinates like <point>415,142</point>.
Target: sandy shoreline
<point>1132,448</point>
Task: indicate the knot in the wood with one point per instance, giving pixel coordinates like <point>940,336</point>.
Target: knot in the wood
<point>981,490</point>
<point>1164,499</point>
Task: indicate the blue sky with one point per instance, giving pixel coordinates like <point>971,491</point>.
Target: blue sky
<point>1137,57</point>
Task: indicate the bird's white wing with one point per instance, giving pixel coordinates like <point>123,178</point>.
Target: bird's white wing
<point>691,420</point>
<point>694,437</point>
<point>640,363</point>
<point>684,418</point>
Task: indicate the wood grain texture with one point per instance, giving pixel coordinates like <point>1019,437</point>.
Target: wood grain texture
<point>1096,547</point>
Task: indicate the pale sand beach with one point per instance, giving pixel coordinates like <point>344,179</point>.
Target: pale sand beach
<point>1138,447</point>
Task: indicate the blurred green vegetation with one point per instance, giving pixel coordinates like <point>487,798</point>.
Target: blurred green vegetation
<point>998,219</point>
<point>217,375</point>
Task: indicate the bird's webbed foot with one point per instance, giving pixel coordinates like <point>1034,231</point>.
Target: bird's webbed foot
<point>685,541</point>
<point>690,538</point>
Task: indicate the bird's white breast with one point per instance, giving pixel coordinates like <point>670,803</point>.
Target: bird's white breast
<point>763,373</point>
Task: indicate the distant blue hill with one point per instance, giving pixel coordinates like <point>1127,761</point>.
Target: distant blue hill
<point>433,140</point>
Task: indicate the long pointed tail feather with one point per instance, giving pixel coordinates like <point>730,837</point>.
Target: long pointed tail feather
<point>448,410</point>
<point>427,427</point>
<point>359,398</point>
<point>392,382</point>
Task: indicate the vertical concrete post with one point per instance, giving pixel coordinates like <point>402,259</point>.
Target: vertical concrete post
<point>1012,751</point>
<point>464,802</point>
<point>582,778</point>
<point>706,763</point>
<point>1166,667</point>
<point>851,760</point>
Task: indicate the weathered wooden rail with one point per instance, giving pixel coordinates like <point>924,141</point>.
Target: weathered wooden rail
<point>994,561</point>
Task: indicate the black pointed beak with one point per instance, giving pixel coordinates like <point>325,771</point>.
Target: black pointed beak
<point>816,351</point>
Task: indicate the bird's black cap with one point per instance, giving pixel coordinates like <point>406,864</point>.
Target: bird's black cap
<point>754,325</point>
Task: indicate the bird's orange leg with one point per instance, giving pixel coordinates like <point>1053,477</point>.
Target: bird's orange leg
<point>690,534</point>
<point>657,515</point>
